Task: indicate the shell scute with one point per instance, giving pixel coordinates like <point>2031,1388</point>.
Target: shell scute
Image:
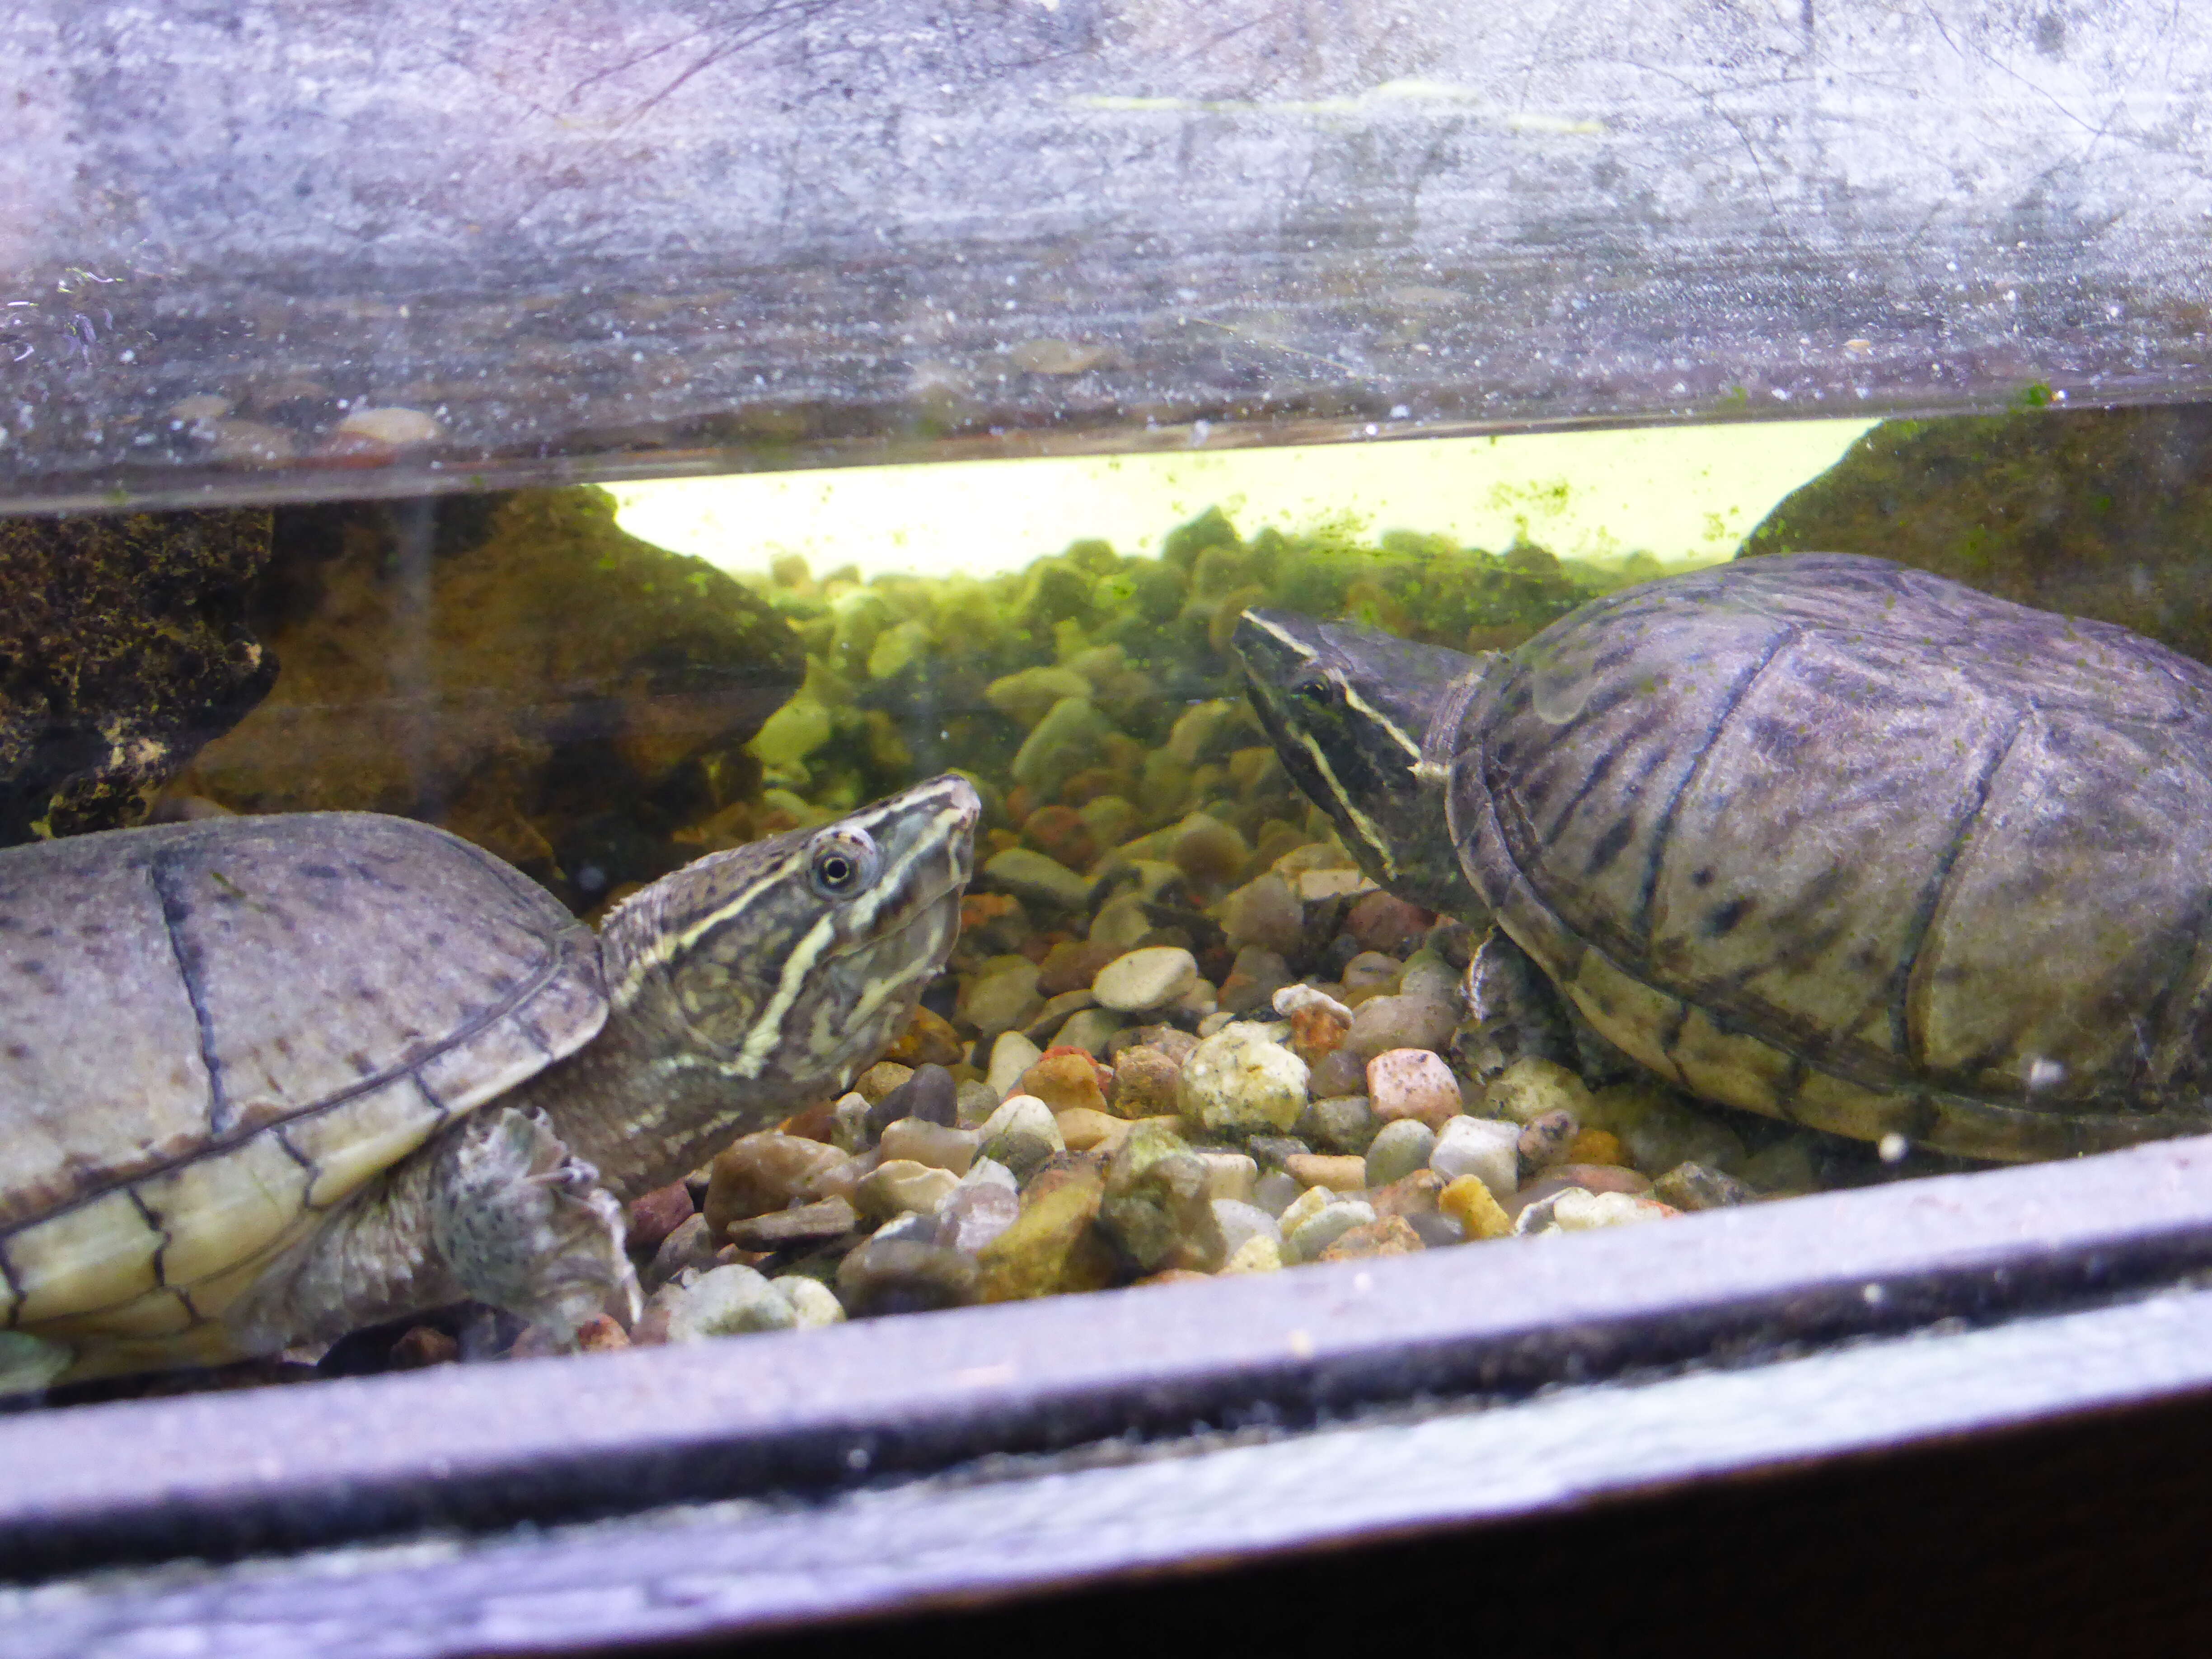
<point>92,1255</point>
<point>213,1210</point>
<point>345,1145</point>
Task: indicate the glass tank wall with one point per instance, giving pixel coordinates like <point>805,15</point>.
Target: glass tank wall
<point>1019,893</point>
<point>1229,993</point>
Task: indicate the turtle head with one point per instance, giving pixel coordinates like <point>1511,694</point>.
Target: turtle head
<point>778,969</point>
<point>1351,711</point>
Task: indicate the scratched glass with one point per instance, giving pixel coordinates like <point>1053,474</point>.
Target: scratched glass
<point>823,932</point>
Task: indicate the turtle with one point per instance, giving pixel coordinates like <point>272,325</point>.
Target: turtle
<point>1819,836</point>
<point>267,1080</point>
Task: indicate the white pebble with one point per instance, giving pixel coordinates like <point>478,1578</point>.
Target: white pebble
<point>1241,1081</point>
<point>731,1301</point>
<point>899,1185</point>
<point>1315,1234</point>
<point>1022,1134</point>
<point>1010,1055</point>
<point>1293,998</point>
<point>1230,1175</point>
<point>1575,1211</point>
<point>396,427</point>
<point>1257,1255</point>
<point>812,1302</point>
<point>1482,1147</point>
<point>1240,1223</point>
<point>1304,1207</point>
<point>1150,978</point>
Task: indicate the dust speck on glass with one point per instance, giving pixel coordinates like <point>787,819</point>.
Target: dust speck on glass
<point>678,952</point>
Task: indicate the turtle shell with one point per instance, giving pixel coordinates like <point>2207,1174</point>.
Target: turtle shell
<point>1848,844</point>
<point>214,1031</point>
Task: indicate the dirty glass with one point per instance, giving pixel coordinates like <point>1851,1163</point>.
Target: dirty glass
<point>1235,987</point>
<point>806,932</point>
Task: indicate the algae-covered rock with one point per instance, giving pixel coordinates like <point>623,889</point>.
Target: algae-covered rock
<point>1052,1248</point>
<point>1158,1204</point>
<point>125,644</point>
<point>2105,513</point>
<point>516,668</point>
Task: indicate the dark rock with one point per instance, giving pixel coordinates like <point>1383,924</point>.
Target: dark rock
<point>1384,922</point>
<point>422,1345</point>
<point>897,1275</point>
<point>2094,513</point>
<point>809,1223</point>
<point>1454,940</point>
<point>928,1040</point>
<point>1271,1151</point>
<point>690,1245</point>
<point>1694,1187</point>
<point>1435,1229</point>
<point>930,1095</point>
<point>654,1215</point>
<point>1144,1083</point>
<point>509,674</point>
<point>125,644</point>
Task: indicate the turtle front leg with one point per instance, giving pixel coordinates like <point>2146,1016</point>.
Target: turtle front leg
<point>526,1226</point>
<point>1515,1012</point>
<point>496,1208</point>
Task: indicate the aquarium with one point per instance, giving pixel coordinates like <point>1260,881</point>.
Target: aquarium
<point>1217,985</point>
<point>1123,755</point>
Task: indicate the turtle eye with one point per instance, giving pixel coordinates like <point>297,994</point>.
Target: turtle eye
<point>1313,686</point>
<point>842,863</point>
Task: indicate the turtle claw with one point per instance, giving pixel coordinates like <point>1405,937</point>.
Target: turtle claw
<point>526,1226</point>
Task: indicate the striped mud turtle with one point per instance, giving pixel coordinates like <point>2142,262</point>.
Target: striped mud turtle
<point>270,1079</point>
<point>1818,837</point>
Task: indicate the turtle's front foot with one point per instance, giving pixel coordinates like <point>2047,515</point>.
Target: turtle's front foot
<point>1512,1011</point>
<point>526,1226</point>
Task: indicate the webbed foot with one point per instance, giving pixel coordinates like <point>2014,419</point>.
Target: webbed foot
<point>1513,1011</point>
<point>526,1226</point>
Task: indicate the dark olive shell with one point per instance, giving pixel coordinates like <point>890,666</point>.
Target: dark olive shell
<point>1850,844</point>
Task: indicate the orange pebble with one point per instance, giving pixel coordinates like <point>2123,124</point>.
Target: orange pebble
<point>1596,1146</point>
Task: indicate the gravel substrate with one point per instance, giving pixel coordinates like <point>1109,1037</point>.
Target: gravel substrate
<point>1265,1080</point>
